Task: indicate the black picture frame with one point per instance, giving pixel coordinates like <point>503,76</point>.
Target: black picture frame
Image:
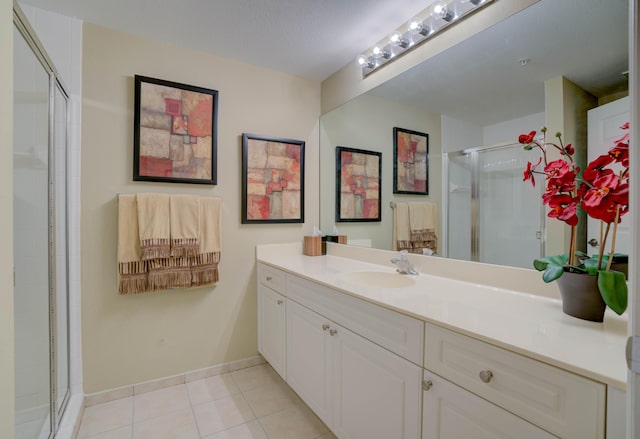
<point>272,180</point>
<point>175,132</point>
<point>358,185</point>
<point>410,162</point>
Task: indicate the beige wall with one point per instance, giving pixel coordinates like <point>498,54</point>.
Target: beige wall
<point>6,222</point>
<point>130,339</point>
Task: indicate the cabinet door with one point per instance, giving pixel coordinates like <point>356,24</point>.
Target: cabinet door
<point>272,328</point>
<point>450,412</point>
<point>309,359</point>
<point>377,393</point>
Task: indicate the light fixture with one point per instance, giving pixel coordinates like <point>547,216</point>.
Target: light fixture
<point>434,19</point>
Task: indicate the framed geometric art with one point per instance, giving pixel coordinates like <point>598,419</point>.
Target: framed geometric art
<point>272,180</point>
<point>410,162</point>
<point>358,188</point>
<point>175,132</point>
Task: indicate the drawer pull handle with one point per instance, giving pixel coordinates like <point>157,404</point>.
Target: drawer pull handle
<point>269,278</point>
<point>280,302</point>
<point>325,327</point>
<point>333,332</point>
<point>426,385</point>
<point>486,376</point>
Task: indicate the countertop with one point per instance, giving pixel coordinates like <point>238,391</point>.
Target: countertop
<point>532,325</point>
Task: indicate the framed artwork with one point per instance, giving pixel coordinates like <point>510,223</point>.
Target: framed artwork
<point>272,180</point>
<point>410,162</point>
<point>175,132</point>
<point>358,189</point>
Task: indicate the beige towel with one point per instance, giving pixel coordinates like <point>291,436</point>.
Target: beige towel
<point>401,231</point>
<point>131,270</point>
<point>204,267</point>
<point>165,273</point>
<point>154,225</point>
<point>185,227</point>
<point>423,223</point>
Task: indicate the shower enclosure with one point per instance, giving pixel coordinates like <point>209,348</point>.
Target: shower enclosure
<point>492,215</point>
<point>40,238</point>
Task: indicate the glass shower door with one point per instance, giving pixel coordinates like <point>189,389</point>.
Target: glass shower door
<point>31,244</point>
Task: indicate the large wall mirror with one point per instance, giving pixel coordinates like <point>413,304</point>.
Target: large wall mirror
<point>545,65</point>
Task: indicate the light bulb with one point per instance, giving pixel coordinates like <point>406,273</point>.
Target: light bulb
<point>377,52</point>
<point>415,25</point>
<point>441,11</point>
<point>396,39</point>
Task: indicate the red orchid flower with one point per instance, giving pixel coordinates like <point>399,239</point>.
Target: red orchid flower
<point>625,126</point>
<point>569,150</point>
<point>528,173</point>
<point>564,208</point>
<point>527,138</point>
<point>596,168</point>
<point>557,169</point>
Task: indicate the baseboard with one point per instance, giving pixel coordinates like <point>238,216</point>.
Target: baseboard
<point>161,383</point>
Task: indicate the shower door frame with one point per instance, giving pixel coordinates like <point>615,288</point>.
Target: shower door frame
<point>474,160</point>
<point>27,32</point>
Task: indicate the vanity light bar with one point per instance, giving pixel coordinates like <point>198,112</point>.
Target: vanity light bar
<point>437,17</point>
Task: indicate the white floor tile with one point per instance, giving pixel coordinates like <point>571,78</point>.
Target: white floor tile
<point>221,414</point>
<point>107,416</point>
<point>160,402</point>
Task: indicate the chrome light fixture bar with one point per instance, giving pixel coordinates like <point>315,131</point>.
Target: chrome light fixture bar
<point>434,19</point>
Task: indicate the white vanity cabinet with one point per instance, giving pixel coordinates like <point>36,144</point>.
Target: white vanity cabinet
<point>272,317</point>
<point>567,405</point>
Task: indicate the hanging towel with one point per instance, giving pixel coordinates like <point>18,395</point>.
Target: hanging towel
<point>132,271</point>
<point>154,225</point>
<point>423,223</point>
<point>165,273</point>
<point>185,227</point>
<point>204,267</point>
<point>401,231</point>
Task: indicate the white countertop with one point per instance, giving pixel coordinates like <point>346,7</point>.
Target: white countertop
<point>532,325</point>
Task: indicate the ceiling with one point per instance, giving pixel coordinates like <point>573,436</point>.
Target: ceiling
<point>481,80</point>
<point>307,38</point>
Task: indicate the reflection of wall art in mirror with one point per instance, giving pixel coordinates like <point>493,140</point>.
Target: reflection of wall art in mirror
<point>175,132</point>
<point>358,189</point>
<point>410,162</point>
<point>272,180</point>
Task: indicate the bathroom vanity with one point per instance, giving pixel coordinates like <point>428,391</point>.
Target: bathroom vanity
<point>376,354</point>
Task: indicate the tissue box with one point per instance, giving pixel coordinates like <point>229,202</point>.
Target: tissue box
<point>314,246</point>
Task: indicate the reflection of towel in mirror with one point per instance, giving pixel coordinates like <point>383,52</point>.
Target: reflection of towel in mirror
<point>414,227</point>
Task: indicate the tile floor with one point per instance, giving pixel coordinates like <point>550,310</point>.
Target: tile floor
<point>252,403</point>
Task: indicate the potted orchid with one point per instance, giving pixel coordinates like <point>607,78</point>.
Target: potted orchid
<point>602,192</point>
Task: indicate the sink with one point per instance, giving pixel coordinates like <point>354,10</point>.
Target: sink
<point>379,279</point>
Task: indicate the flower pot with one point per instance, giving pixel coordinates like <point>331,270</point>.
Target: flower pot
<point>581,297</point>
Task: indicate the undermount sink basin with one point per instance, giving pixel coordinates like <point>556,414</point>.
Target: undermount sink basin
<point>379,279</point>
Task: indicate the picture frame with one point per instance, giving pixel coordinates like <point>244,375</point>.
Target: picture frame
<point>410,162</point>
<point>272,180</point>
<point>175,132</point>
<point>358,185</point>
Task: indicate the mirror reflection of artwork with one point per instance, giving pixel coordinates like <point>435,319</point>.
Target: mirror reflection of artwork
<point>410,162</point>
<point>272,180</point>
<point>174,132</point>
<point>358,190</point>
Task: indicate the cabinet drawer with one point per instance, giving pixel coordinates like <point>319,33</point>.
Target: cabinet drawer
<point>398,333</point>
<point>560,402</point>
<point>272,278</point>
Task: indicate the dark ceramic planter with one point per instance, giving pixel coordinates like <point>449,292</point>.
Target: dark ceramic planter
<point>581,297</point>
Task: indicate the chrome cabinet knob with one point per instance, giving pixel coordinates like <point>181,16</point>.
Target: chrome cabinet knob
<point>280,301</point>
<point>269,278</point>
<point>333,332</point>
<point>426,385</point>
<point>486,376</point>
<point>593,242</point>
<point>325,327</point>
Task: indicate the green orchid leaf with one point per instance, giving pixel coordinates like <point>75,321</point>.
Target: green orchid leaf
<point>552,272</point>
<point>591,265</point>
<point>528,147</point>
<point>540,264</point>
<point>613,288</point>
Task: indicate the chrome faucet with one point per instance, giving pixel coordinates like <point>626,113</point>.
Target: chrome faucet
<point>404,266</point>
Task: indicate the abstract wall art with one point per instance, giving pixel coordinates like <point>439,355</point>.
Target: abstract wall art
<point>358,189</point>
<point>175,132</point>
<point>410,162</point>
<point>272,180</point>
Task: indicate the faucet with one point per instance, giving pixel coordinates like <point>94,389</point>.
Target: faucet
<point>404,266</point>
